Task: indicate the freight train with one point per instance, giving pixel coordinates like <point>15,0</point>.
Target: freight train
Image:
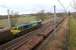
<point>19,30</point>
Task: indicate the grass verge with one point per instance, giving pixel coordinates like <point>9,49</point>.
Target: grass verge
<point>72,33</point>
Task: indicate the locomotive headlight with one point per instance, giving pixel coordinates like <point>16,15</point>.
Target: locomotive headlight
<point>15,31</point>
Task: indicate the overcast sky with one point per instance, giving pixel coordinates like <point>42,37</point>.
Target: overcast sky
<point>32,6</point>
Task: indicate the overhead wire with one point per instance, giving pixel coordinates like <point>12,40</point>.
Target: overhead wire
<point>74,3</point>
<point>62,5</point>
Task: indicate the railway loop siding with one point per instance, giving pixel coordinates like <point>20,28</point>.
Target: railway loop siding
<point>30,40</point>
<point>6,35</point>
<point>17,41</point>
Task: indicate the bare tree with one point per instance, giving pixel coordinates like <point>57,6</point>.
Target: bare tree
<point>40,15</point>
<point>14,16</point>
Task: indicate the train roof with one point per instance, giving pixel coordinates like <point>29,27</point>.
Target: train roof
<point>35,21</point>
<point>21,25</point>
<point>25,24</point>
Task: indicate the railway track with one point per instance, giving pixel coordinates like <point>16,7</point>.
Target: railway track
<point>46,42</point>
<point>30,40</point>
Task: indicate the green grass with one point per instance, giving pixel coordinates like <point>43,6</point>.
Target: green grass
<point>20,20</point>
<point>3,22</point>
<point>72,27</point>
<point>26,19</point>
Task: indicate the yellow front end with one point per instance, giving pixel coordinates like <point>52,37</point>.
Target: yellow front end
<point>15,31</point>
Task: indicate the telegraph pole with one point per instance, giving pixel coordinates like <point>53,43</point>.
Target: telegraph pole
<point>54,20</point>
<point>9,22</point>
<point>54,16</point>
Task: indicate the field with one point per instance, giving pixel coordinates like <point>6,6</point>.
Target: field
<point>19,20</point>
<point>72,33</point>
